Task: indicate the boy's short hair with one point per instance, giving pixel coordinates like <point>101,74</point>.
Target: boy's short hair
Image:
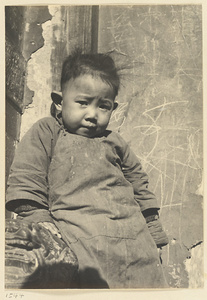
<point>98,65</point>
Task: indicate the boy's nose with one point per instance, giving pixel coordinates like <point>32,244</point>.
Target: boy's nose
<point>91,113</point>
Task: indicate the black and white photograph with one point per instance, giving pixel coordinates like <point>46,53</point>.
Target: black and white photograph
<point>104,172</point>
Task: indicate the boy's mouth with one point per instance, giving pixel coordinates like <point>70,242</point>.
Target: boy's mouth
<point>90,126</point>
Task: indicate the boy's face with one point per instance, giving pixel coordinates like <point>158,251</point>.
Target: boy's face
<point>87,104</point>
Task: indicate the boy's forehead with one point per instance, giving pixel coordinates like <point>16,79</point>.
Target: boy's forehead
<point>90,84</point>
<point>85,79</point>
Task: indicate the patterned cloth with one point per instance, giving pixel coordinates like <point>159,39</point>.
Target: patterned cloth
<point>35,258</point>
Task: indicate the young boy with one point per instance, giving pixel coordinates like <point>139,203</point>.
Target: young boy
<point>86,185</point>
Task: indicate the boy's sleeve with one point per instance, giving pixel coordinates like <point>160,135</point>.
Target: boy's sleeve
<point>27,191</point>
<point>133,172</point>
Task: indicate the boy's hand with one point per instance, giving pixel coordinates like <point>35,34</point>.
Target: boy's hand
<point>157,232</point>
<point>155,227</point>
<point>52,228</point>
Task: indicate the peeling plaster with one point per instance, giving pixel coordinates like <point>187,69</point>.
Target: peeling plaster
<point>194,266</point>
<point>39,76</point>
<point>56,13</point>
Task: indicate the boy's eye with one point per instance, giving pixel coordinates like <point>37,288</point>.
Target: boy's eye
<point>105,106</point>
<point>82,102</point>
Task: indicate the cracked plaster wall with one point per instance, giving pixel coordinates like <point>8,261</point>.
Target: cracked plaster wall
<point>42,33</point>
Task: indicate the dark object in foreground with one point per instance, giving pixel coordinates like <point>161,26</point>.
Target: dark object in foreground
<point>37,259</point>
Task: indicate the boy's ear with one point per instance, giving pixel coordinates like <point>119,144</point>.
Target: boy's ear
<point>57,99</point>
<point>115,105</point>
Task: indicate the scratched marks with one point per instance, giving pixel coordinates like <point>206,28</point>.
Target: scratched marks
<point>158,50</point>
<point>170,150</point>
